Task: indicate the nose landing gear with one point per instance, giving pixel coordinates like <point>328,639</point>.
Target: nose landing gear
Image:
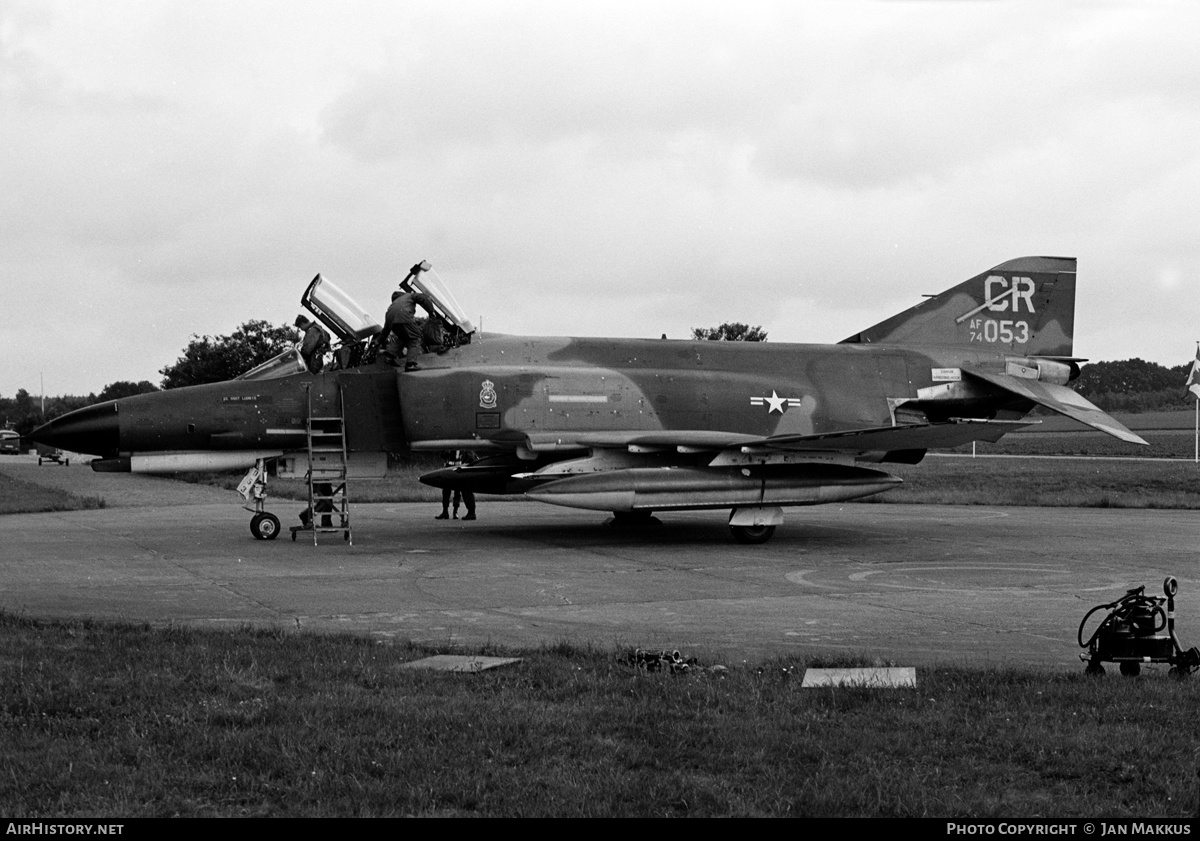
<point>263,525</point>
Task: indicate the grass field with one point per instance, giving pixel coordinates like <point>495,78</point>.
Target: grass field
<point>1164,444</point>
<point>131,721</point>
<point>1084,483</point>
<point>18,497</point>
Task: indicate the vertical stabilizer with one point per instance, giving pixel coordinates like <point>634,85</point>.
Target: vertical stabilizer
<point>1025,307</point>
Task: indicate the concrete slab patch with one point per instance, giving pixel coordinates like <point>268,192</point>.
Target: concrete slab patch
<point>901,678</point>
<point>460,663</point>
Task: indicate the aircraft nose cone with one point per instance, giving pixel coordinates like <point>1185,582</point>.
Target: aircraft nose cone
<point>93,429</point>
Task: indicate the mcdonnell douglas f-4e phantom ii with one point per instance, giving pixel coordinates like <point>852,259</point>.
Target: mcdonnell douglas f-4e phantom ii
<point>632,426</point>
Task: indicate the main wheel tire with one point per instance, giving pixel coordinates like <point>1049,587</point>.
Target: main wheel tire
<point>633,519</point>
<point>752,534</point>
<point>1131,669</point>
<point>264,526</point>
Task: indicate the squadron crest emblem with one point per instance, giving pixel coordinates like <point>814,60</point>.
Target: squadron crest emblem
<point>487,395</point>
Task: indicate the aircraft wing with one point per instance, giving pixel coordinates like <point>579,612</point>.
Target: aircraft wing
<point>923,436</point>
<point>697,440</point>
<point>906,437</point>
<point>1060,399</point>
<point>684,439</point>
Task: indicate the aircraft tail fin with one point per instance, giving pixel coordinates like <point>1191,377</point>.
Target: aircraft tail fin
<point>1024,306</point>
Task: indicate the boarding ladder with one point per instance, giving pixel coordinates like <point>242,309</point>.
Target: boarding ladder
<point>328,499</point>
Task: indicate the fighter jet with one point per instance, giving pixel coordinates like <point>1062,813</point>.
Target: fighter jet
<point>633,427</point>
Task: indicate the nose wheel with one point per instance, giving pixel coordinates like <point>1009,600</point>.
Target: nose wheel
<point>253,488</point>
<point>264,525</point>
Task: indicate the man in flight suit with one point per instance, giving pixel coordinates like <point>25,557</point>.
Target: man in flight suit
<point>401,319</point>
<point>314,344</point>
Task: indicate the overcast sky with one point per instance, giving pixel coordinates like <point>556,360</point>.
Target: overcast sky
<point>601,168</point>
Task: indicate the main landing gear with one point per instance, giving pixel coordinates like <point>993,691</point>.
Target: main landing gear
<point>752,534</point>
<point>263,525</point>
<point>754,524</point>
<point>747,525</point>
<point>632,519</point>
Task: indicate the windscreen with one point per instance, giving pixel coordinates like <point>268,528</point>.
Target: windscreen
<point>284,365</point>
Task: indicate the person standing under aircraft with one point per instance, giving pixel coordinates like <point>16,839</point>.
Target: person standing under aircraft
<point>449,459</point>
<point>401,319</point>
<point>465,457</point>
<point>314,344</point>
<point>457,458</point>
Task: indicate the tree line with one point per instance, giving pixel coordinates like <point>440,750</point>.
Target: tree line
<point>1134,385</point>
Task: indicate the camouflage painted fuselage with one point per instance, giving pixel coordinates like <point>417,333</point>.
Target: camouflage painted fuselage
<point>554,391</point>
<point>548,390</point>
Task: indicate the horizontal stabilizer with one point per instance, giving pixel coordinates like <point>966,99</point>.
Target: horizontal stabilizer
<point>1060,399</point>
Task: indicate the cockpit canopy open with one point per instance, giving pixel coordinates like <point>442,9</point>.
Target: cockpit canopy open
<point>340,313</point>
<point>353,326</point>
<point>447,305</point>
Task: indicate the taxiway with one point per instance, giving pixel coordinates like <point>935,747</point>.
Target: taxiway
<point>903,584</point>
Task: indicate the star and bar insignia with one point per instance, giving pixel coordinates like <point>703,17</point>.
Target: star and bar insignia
<point>776,403</point>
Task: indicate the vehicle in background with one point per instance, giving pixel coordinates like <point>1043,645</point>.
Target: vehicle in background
<point>48,453</point>
<point>10,442</point>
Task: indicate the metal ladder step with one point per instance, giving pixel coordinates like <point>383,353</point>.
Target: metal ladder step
<point>327,465</point>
